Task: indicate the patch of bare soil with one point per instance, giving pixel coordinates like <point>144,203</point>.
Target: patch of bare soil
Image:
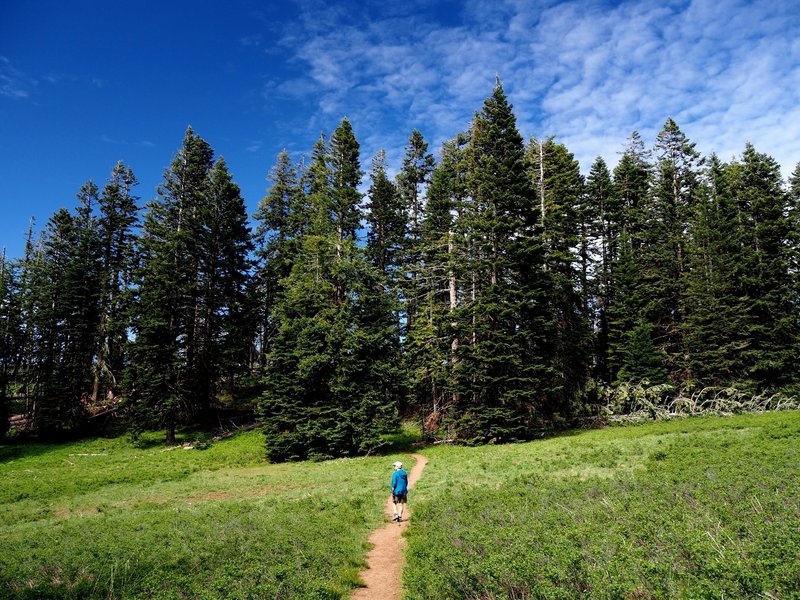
<point>383,575</point>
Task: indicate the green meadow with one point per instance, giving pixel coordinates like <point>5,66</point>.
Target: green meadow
<point>695,508</point>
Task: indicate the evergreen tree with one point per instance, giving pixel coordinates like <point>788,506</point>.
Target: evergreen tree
<point>117,240</point>
<point>663,251</point>
<point>500,373</point>
<point>559,186</point>
<point>770,304</point>
<point>10,333</point>
<point>387,223</point>
<point>64,315</point>
<point>431,344</point>
<point>414,175</point>
<point>225,266</point>
<point>642,361</point>
<point>632,180</point>
<point>332,371</point>
<point>190,328</point>
<point>280,221</point>
<point>603,217</point>
<point>712,297</point>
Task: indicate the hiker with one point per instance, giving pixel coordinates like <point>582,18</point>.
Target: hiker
<point>399,490</point>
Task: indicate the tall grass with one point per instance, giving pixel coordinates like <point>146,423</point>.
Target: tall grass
<point>106,519</point>
<point>697,508</point>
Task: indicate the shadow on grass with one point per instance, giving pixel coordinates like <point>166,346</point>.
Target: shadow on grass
<point>26,449</point>
<point>407,438</point>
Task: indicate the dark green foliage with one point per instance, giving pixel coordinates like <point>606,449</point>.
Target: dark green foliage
<point>117,239</point>
<point>632,177</point>
<point>600,248</point>
<point>414,175</point>
<point>190,326</point>
<point>491,295</point>
<point>10,333</point>
<point>431,343</point>
<point>663,254</point>
<point>641,359</point>
<point>558,185</point>
<point>714,327</point>
<point>281,217</point>
<point>771,309</point>
<point>387,223</point>
<point>500,368</point>
<point>64,313</point>
<point>332,376</point>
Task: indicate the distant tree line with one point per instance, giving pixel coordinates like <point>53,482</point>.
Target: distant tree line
<point>491,292</point>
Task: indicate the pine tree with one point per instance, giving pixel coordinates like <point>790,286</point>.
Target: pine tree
<point>64,315</point>
<point>224,267</point>
<point>331,379</point>
<point>387,223</point>
<point>769,302</point>
<point>713,324</point>
<point>166,374</point>
<point>663,251</point>
<point>603,216</point>
<point>414,175</point>
<point>117,240</point>
<point>10,332</point>
<point>559,186</point>
<point>431,344</point>
<point>500,369</point>
<point>280,219</point>
<point>632,181</point>
<point>642,361</point>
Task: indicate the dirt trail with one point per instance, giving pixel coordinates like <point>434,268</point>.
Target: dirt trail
<point>385,561</point>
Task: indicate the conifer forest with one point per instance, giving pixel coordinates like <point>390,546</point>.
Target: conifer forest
<point>491,292</point>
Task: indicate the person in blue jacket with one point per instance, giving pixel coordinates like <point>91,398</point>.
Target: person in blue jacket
<point>399,490</point>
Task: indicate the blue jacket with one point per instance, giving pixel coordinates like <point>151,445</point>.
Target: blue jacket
<point>399,482</point>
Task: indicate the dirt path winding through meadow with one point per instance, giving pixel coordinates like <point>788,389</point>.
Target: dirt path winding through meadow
<point>385,561</point>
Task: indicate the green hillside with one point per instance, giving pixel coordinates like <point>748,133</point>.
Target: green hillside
<point>693,508</point>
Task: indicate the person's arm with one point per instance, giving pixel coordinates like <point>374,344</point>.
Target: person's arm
<point>394,481</point>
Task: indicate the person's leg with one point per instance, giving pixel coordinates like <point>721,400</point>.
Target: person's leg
<point>402,505</point>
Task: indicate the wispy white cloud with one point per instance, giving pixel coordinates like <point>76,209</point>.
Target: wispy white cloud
<point>589,72</point>
<point>13,83</point>
<point>120,142</point>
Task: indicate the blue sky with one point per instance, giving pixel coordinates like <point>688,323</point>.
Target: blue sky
<point>85,84</point>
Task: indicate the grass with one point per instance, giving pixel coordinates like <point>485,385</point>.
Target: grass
<point>697,508</point>
<point>107,519</point>
<point>693,508</point>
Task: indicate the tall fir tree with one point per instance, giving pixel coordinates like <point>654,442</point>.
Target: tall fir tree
<point>712,295</point>
<point>770,304</point>
<point>280,220</point>
<point>414,175</point>
<point>64,315</point>
<point>632,179</point>
<point>225,267</point>
<point>558,185</point>
<point>501,371</point>
<point>332,373</point>
<point>117,224</point>
<point>191,324</point>
<point>387,223</point>
<point>603,217</point>
<point>663,256</point>
<point>431,344</point>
